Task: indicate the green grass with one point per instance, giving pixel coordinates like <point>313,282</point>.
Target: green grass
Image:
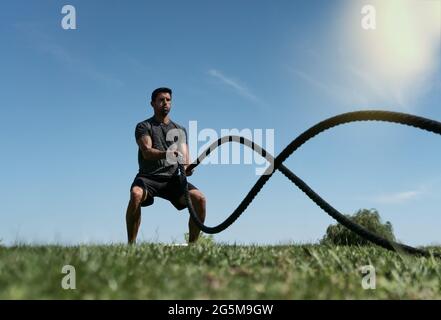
<point>215,271</point>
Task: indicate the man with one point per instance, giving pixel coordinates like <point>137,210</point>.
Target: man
<point>161,143</point>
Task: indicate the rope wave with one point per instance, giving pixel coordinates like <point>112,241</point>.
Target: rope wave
<point>277,164</point>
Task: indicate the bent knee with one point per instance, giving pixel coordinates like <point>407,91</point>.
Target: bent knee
<point>198,196</point>
<point>137,194</point>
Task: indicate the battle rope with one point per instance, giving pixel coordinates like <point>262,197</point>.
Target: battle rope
<point>277,164</point>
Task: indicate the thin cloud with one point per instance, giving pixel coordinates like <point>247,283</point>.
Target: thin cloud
<point>399,197</point>
<point>46,45</point>
<point>240,89</point>
<point>336,91</point>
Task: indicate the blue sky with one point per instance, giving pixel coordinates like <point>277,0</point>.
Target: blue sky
<point>70,100</point>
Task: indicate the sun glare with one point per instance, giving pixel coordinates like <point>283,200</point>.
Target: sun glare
<point>403,51</point>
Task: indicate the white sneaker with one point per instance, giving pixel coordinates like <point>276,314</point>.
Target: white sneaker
<point>179,244</point>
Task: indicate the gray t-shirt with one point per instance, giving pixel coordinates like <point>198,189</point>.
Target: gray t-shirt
<point>158,133</point>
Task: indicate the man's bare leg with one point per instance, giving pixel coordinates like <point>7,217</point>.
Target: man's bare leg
<point>199,204</point>
<point>133,214</point>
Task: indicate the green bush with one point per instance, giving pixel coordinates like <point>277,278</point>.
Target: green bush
<point>370,219</point>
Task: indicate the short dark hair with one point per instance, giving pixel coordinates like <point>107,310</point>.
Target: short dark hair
<point>160,90</point>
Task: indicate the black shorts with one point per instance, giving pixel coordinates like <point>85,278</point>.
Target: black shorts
<point>168,188</point>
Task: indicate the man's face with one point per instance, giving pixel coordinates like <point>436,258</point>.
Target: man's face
<point>162,103</point>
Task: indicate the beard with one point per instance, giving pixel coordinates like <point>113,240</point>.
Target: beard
<point>165,111</point>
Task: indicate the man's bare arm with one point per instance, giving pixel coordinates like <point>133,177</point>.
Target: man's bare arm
<point>186,156</point>
<point>149,153</point>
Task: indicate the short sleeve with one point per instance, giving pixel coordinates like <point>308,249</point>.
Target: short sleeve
<point>142,129</point>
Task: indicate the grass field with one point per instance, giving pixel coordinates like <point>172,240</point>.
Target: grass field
<point>214,271</point>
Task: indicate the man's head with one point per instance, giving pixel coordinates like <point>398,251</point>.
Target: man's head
<point>161,101</point>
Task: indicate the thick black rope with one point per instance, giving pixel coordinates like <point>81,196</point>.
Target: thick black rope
<point>277,164</point>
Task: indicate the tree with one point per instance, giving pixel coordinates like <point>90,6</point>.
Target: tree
<point>370,219</point>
